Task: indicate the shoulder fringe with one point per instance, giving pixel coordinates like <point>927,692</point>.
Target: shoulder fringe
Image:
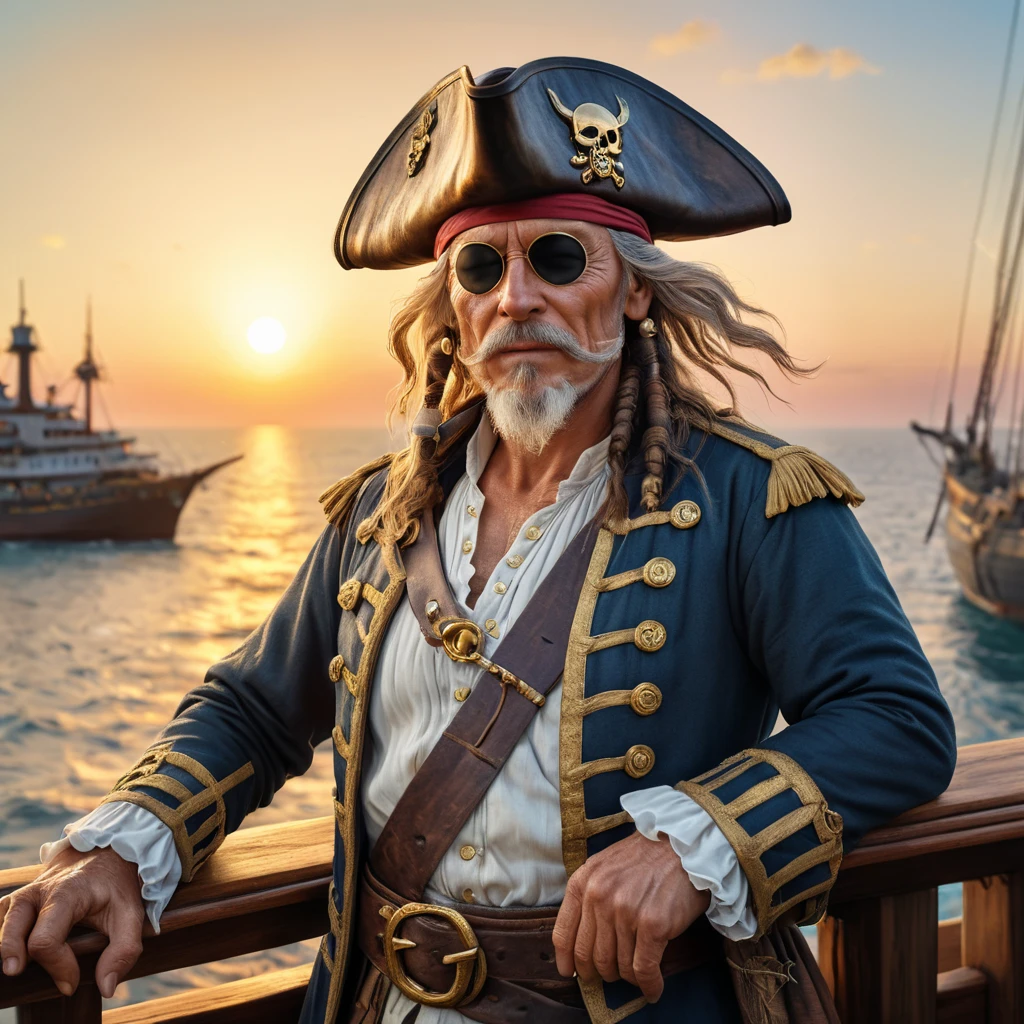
<point>797,475</point>
<point>339,498</point>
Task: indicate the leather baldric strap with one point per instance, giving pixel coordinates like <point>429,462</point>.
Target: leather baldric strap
<point>458,771</point>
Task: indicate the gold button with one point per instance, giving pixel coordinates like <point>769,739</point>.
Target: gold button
<point>533,532</point>
<point>348,595</point>
<point>684,515</point>
<point>468,896</point>
<point>491,625</point>
<point>649,635</point>
<point>499,587</point>
<point>462,693</point>
<point>514,561</point>
<point>467,546</point>
<point>659,572</point>
<point>335,667</point>
<point>639,761</point>
<point>467,852</point>
<point>645,699</point>
<point>471,509</point>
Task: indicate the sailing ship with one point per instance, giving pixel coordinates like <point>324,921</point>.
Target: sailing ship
<point>983,484</point>
<point>61,479</point>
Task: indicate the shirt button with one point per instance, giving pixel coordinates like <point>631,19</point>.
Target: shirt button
<point>491,626</point>
<point>514,561</point>
<point>500,588</point>
<point>467,546</point>
<point>467,852</point>
<point>468,896</point>
<point>533,532</point>
<point>471,509</point>
<point>462,693</point>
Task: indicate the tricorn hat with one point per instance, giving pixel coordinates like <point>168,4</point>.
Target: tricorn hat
<point>561,125</point>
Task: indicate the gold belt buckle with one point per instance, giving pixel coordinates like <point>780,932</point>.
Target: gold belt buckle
<point>470,963</point>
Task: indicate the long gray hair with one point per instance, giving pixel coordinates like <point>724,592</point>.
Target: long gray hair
<point>701,329</point>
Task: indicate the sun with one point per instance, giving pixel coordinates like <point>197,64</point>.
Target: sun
<point>266,335</point>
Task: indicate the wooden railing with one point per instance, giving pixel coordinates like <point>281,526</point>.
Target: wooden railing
<point>882,949</point>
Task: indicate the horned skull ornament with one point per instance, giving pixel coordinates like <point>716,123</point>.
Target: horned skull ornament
<point>597,133</point>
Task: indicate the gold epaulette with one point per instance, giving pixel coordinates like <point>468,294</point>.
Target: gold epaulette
<point>797,473</point>
<point>184,803</point>
<point>807,905</point>
<point>339,498</point>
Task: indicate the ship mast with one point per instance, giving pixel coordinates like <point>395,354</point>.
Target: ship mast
<point>87,371</point>
<point>23,346</point>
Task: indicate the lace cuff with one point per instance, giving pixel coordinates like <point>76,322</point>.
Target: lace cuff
<point>704,852</point>
<point>134,834</point>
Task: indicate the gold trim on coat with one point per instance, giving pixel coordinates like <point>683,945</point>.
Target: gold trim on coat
<point>146,773</point>
<point>576,827</point>
<point>351,749</point>
<point>828,826</point>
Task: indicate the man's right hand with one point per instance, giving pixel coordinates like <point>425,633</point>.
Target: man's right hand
<point>97,889</point>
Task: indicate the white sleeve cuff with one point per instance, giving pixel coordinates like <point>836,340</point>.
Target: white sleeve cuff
<point>704,851</point>
<point>134,834</point>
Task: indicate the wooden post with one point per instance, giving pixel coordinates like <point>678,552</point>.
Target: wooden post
<point>84,1007</point>
<point>994,942</point>
<point>880,958</point>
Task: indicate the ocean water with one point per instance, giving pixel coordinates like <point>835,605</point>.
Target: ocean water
<point>99,641</point>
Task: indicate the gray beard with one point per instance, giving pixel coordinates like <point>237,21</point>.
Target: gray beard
<point>528,417</point>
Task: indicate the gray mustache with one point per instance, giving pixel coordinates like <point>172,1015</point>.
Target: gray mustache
<point>513,333</point>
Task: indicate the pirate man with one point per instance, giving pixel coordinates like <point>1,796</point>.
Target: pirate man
<point>549,640</point>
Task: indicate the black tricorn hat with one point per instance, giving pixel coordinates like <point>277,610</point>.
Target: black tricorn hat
<point>558,125</point>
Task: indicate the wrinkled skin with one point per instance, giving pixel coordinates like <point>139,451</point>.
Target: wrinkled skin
<point>97,889</point>
<point>624,904</point>
<point>520,481</point>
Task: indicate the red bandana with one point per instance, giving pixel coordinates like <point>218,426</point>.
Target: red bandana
<point>564,206</point>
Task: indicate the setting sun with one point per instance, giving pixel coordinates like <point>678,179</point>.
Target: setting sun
<point>266,335</point>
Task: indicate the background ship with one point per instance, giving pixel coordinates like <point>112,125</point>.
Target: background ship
<point>982,481</point>
<point>62,480</point>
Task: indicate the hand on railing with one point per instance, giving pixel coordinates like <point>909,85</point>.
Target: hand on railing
<point>97,889</point>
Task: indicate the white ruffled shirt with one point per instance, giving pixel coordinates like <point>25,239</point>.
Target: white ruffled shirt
<point>515,832</point>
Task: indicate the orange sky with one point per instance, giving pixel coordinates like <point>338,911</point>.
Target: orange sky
<point>185,165</point>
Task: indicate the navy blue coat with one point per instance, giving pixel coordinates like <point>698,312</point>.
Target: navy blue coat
<point>772,606</point>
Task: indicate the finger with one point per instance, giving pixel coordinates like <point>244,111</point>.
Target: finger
<point>18,921</point>
<point>583,951</point>
<point>606,961</point>
<point>647,964</point>
<point>625,948</point>
<point>47,943</point>
<point>564,935</point>
<point>124,948</point>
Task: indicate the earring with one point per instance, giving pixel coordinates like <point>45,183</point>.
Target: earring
<point>447,347</point>
<point>648,328</point>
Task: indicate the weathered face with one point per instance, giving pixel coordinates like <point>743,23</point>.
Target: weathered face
<point>590,308</point>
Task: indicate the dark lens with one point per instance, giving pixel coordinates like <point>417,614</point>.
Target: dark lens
<point>559,259</point>
<point>478,267</point>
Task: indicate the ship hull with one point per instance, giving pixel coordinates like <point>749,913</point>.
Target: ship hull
<point>126,511</point>
<point>986,549</point>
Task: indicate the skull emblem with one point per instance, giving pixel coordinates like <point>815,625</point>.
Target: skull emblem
<point>597,133</point>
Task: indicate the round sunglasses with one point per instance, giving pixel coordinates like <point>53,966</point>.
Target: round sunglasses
<point>556,257</point>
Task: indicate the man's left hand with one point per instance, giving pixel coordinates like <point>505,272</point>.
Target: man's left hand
<point>621,909</point>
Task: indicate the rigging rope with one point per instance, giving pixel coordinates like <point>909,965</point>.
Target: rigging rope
<point>986,178</point>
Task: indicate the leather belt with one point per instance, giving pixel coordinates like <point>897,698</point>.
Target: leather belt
<point>494,964</point>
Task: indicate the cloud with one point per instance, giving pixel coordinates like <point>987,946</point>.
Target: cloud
<point>805,61</point>
<point>688,37</point>
<point>53,241</point>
